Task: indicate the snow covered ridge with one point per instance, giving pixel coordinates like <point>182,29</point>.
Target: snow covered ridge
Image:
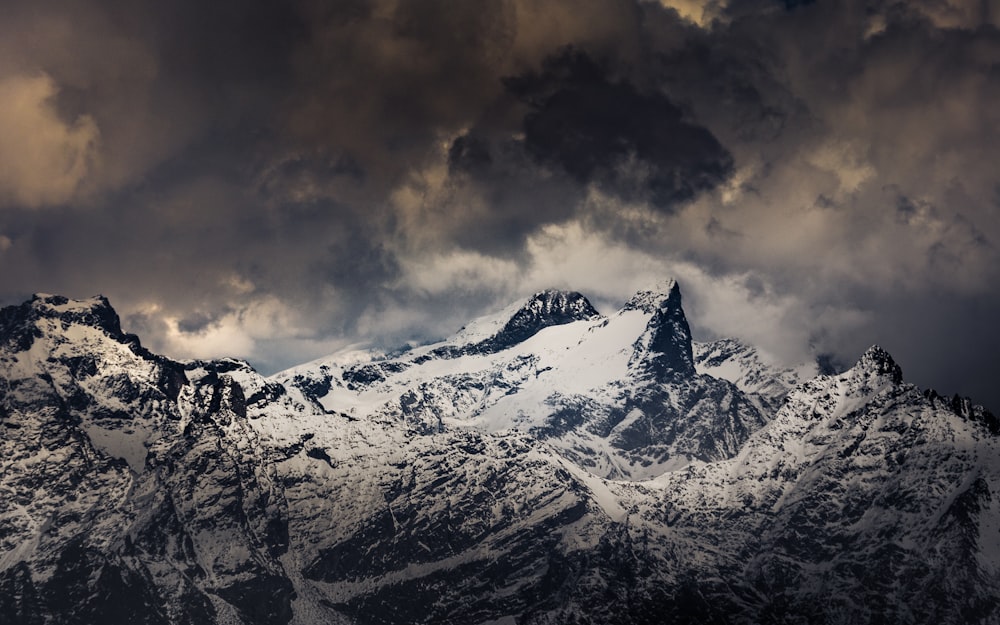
<point>547,464</point>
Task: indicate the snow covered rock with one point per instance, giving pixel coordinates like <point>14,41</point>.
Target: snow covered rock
<point>754,372</point>
<point>542,310</point>
<point>545,465</point>
<point>664,348</point>
<point>619,395</point>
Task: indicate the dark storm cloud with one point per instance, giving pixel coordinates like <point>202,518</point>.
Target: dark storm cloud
<point>272,179</point>
<point>382,80</point>
<point>635,145</point>
<point>571,123</point>
<point>470,154</point>
<point>899,112</point>
<point>147,78</point>
<point>513,195</point>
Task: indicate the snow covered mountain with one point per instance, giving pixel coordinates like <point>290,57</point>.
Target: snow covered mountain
<point>544,465</point>
<point>620,395</point>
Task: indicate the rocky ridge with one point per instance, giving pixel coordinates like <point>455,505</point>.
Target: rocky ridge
<point>550,465</point>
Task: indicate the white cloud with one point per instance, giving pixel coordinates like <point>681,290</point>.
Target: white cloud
<point>458,270</point>
<point>223,337</point>
<point>740,304</point>
<point>238,333</point>
<point>572,255</point>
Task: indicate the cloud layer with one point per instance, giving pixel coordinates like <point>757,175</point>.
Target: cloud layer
<point>273,180</point>
<point>43,160</point>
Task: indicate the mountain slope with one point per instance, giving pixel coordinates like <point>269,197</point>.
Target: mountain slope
<point>618,395</point>
<point>752,371</point>
<point>863,500</point>
<point>467,481</point>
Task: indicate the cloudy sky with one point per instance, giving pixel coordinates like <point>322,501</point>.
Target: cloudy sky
<point>275,180</point>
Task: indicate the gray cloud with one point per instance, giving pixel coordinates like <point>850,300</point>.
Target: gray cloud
<point>276,179</point>
<point>635,145</point>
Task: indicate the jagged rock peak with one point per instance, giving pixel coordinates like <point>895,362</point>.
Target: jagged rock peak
<point>551,307</point>
<point>553,303</point>
<point>877,362</point>
<point>965,408</point>
<point>650,300</point>
<point>94,311</point>
<point>18,323</point>
<point>63,303</point>
<point>665,346</point>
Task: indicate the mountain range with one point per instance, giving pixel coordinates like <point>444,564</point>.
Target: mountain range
<point>545,465</point>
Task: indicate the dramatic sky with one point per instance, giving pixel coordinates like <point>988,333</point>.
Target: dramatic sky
<point>276,180</point>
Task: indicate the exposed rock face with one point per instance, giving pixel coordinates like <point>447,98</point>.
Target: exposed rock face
<point>543,310</point>
<point>664,349</point>
<point>852,505</point>
<point>618,395</point>
<point>550,465</point>
<point>132,489</point>
<point>753,372</point>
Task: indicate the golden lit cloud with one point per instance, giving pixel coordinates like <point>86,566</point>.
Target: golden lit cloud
<point>43,158</point>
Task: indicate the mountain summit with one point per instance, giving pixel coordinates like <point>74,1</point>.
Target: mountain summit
<point>542,310</point>
<point>652,299</point>
<point>19,325</point>
<point>619,395</point>
<point>665,348</point>
<point>545,465</point>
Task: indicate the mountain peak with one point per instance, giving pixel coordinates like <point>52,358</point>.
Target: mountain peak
<point>93,311</point>
<point>876,362</point>
<point>557,302</point>
<point>567,452</point>
<point>652,299</point>
<point>665,346</point>
<point>551,307</point>
<point>19,323</point>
